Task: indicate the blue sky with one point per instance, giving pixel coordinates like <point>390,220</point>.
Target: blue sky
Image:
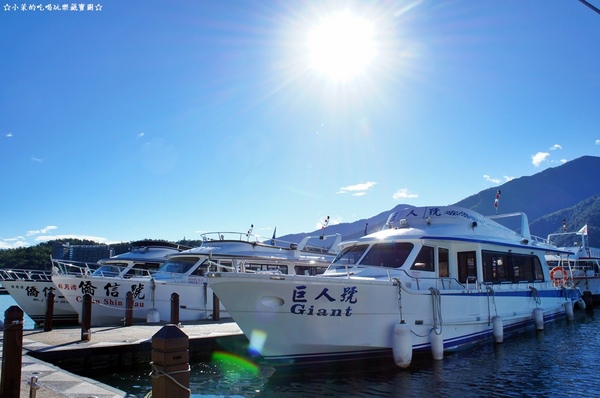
<point>166,119</point>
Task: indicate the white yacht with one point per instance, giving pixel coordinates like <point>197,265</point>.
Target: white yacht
<point>580,267</point>
<point>184,273</point>
<point>434,279</point>
<point>30,288</point>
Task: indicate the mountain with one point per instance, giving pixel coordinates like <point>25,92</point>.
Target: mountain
<point>570,191</point>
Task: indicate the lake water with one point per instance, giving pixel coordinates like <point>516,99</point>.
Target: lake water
<point>6,301</point>
<point>559,361</point>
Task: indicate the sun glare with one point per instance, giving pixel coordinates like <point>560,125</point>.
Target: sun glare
<point>341,46</point>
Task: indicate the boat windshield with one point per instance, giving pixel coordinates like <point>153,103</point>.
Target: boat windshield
<point>348,257</point>
<point>389,255</point>
<point>178,265</point>
<point>110,270</point>
<point>567,239</point>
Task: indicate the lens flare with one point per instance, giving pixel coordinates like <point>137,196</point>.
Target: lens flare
<point>234,363</point>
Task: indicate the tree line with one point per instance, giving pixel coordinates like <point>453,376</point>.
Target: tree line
<point>38,257</point>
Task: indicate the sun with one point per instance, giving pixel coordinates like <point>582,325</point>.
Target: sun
<point>341,46</point>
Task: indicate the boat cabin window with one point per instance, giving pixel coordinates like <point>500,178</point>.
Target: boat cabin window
<point>141,269</point>
<point>178,265</point>
<point>110,270</point>
<point>443,263</point>
<point>391,255</point>
<point>495,267</point>
<point>350,255</point>
<point>309,271</point>
<point>424,260</point>
<point>467,271</point>
<point>258,267</point>
<point>511,267</point>
<point>526,268</point>
<point>201,269</point>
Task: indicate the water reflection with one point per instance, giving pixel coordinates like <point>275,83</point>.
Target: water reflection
<point>531,363</point>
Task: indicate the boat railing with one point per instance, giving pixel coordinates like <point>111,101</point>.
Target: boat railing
<point>426,282</point>
<point>539,239</point>
<point>133,272</point>
<point>25,275</point>
<point>244,237</point>
<point>78,268</point>
<point>280,243</point>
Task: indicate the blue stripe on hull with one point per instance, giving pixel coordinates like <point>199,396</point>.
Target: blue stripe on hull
<point>450,345</point>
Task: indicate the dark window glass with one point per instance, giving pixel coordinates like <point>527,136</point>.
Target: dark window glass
<point>391,255</point>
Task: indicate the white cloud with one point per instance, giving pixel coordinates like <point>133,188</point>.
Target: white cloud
<point>539,158</point>
<point>8,135</point>
<point>404,194</point>
<point>38,160</point>
<point>44,230</point>
<point>491,179</point>
<point>358,189</point>
<point>555,147</point>
<point>597,142</point>
<point>13,243</point>
<point>140,135</point>
<point>496,180</point>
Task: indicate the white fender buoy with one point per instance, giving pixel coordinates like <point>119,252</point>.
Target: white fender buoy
<point>581,304</point>
<point>538,318</point>
<point>437,344</point>
<point>152,316</point>
<point>569,309</point>
<point>498,329</point>
<point>402,345</point>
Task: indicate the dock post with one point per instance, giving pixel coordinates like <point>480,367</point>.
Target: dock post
<point>175,308</point>
<point>216,308</point>
<point>86,317</point>
<point>170,363</point>
<point>49,312</point>
<point>12,352</point>
<point>129,309</point>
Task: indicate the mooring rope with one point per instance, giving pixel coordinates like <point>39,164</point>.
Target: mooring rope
<point>492,293</point>
<point>397,281</point>
<point>436,303</point>
<point>536,296</point>
<point>156,373</point>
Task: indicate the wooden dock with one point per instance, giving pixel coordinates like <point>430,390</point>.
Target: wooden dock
<point>52,356</point>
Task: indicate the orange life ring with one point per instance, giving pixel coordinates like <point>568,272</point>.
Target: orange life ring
<point>558,280</point>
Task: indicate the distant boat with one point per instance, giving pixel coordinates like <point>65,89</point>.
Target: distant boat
<point>434,279</point>
<point>185,272</point>
<point>30,288</point>
<point>580,267</point>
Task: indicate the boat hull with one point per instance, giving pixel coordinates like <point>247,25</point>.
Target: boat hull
<point>31,296</point>
<point>109,298</point>
<point>290,320</point>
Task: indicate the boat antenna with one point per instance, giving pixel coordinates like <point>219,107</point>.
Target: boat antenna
<point>325,224</point>
<point>249,231</point>
<point>497,200</point>
<point>366,225</point>
<point>564,225</point>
